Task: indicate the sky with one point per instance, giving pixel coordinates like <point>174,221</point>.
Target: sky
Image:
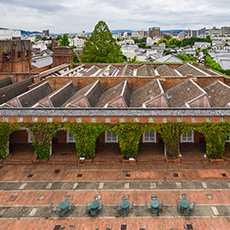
<point>75,16</point>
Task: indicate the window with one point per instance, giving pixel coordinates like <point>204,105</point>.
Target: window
<point>20,119</point>
<point>222,119</point>
<point>49,119</point>
<point>35,119</point>
<point>78,119</point>
<point>29,138</point>
<point>149,137</point>
<point>64,119</point>
<point>188,138</point>
<point>228,138</point>
<point>136,119</point>
<point>193,119</point>
<point>111,137</point>
<point>151,119</point>
<point>5,119</point>
<point>93,119</point>
<point>122,119</point>
<point>165,119</point>
<point>208,119</point>
<point>107,119</point>
<point>179,119</point>
<point>70,138</point>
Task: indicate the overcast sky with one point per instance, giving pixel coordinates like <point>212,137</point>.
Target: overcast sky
<point>73,16</point>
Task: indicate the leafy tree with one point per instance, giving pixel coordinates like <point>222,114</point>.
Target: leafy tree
<point>58,38</point>
<point>167,37</point>
<point>64,40</point>
<point>166,52</point>
<point>101,47</point>
<point>75,58</point>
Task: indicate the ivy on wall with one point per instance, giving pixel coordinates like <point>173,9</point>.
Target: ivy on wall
<point>5,130</point>
<point>215,137</point>
<point>85,135</point>
<point>171,135</point>
<point>41,135</point>
<point>129,134</point>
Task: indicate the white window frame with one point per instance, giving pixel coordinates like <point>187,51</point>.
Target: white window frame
<point>5,119</point>
<point>165,119</point>
<point>222,119</point>
<point>64,119</point>
<point>29,138</point>
<point>186,138</point>
<point>35,119</point>
<point>112,139</point>
<point>20,119</point>
<point>179,119</point>
<point>208,119</point>
<point>49,119</point>
<point>193,119</point>
<point>136,119</point>
<point>147,138</point>
<point>107,119</point>
<point>151,119</point>
<point>69,137</point>
<point>122,119</point>
<point>228,138</point>
<point>93,119</point>
<point>78,119</point>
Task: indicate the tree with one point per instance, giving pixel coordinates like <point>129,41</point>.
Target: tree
<point>101,47</point>
<point>58,38</point>
<point>75,58</point>
<point>167,37</point>
<point>64,40</point>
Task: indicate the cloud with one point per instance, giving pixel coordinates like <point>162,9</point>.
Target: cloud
<point>75,16</point>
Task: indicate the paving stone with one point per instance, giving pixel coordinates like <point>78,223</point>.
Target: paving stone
<point>215,211</point>
<point>49,186</point>
<point>126,185</point>
<point>75,186</point>
<point>101,185</point>
<point>22,186</point>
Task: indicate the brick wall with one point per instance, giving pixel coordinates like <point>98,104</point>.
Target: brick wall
<point>19,137</point>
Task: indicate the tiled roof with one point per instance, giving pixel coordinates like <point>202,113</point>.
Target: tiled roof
<point>189,69</point>
<point>29,98</point>
<point>147,93</point>
<point>165,70</point>
<point>6,81</point>
<point>184,94</point>
<point>13,90</point>
<point>145,70</point>
<point>86,97</point>
<point>117,96</point>
<point>219,94</point>
<point>58,97</point>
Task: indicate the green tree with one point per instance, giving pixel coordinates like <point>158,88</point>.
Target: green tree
<point>64,40</point>
<point>101,47</point>
<point>167,37</point>
<point>166,52</point>
<point>58,38</point>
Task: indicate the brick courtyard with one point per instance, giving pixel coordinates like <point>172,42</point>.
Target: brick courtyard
<point>23,184</point>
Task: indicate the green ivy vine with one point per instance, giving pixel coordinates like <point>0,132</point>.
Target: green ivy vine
<point>85,135</point>
<point>129,134</point>
<point>5,130</point>
<point>41,135</point>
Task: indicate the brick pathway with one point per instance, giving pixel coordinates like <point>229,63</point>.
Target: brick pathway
<point>196,180</point>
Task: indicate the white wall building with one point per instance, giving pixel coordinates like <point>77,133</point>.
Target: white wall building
<point>8,34</point>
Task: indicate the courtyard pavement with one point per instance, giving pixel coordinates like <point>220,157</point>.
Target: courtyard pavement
<point>27,191</point>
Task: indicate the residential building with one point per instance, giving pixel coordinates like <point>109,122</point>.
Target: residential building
<point>10,34</point>
<point>154,32</point>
